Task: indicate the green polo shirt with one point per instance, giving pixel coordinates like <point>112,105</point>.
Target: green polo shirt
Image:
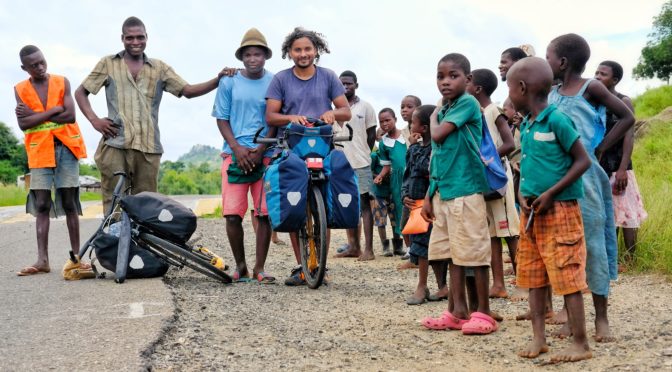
<point>456,168</point>
<point>546,143</point>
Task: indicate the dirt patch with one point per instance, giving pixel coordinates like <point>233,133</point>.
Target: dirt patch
<point>361,322</point>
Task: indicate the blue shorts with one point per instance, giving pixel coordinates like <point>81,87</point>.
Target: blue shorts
<point>364,180</point>
<point>417,251</point>
<point>64,175</point>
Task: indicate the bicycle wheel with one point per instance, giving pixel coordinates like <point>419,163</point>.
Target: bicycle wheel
<point>184,256</point>
<point>313,240</point>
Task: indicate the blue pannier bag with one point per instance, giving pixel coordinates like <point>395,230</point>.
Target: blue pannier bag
<point>493,166</point>
<point>341,192</point>
<point>307,142</point>
<point>286,186</point>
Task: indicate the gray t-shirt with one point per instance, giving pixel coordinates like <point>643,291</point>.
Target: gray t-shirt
<point>311,98</point>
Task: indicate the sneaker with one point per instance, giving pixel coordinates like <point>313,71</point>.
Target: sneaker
<point>343,248</point>
<point>296,278</point>
<point>406,256</point>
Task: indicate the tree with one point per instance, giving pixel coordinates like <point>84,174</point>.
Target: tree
<point>656,58</point>
<point>13,160</point>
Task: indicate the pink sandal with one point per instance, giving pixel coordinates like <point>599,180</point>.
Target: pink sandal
<point>479,324</point>
<point>446,321</point>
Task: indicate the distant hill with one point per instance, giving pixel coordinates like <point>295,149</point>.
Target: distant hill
<point>202,154</point>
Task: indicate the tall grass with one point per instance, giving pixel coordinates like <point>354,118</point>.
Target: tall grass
<point>652,161</point>
<point>652,101</point>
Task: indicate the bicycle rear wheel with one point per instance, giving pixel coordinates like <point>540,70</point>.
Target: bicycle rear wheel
<point>313,240</point>
<point>184,256</point>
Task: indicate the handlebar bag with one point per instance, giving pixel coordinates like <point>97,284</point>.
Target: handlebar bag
<point>314,142</point>
<point>341,192</point>
<point>286,186</point>
<point>164,216</point>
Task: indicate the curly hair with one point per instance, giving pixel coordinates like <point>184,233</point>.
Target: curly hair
<point>316,38</point>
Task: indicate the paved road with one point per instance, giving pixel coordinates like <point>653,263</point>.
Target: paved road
<point>48,323</point>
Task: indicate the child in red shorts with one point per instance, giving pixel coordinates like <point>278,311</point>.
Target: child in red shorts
<point>552,249</point>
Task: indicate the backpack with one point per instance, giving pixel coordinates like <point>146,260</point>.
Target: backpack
<point>286,186</point>
<point>492,164</point>
<point>341,192</point>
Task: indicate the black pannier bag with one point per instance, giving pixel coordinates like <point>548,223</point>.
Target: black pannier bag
<point>164,216</point>
<point>141,263</point>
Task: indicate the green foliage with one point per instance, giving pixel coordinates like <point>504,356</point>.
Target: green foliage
<point>8,172</point>
<point>187,177</point>
<point>656,58</point>
<point>12,195</point>
<point>652,102</point>
<point>86,169</point>
<point>13,160</point>
<point>652,159</point>
<point>200,154</point>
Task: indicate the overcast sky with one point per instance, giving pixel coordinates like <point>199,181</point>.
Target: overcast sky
<point>392,46</point>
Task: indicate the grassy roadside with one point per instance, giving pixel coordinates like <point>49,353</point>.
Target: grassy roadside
<point>11,195</point>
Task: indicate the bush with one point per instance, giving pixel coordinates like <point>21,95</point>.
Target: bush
<point>652,102</point>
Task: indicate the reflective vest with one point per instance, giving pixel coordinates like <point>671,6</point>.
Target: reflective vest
<point>39,140</point>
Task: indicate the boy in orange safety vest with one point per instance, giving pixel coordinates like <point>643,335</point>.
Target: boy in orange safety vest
<point>45,112</point>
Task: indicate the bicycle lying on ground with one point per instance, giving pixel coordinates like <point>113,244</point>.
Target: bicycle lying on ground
<point>313,244</point>
<point>157,224</point>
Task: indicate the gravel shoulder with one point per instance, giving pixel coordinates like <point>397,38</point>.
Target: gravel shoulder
<point>361,322</point>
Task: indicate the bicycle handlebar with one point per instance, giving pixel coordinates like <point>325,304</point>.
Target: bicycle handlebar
<point>319,123</point>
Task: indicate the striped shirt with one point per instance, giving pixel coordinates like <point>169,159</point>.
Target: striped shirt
<point>133,104</point>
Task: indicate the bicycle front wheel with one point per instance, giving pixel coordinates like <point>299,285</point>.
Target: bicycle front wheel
<point>184,256</point>
<point>313,240</point>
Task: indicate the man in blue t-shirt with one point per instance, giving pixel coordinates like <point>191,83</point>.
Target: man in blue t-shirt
<point>302,91</point>
<point>240,108</point>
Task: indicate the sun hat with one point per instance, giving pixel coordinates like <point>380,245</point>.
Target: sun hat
<point>253,38</point>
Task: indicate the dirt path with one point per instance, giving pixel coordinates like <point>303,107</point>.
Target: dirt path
<point>361,322</point>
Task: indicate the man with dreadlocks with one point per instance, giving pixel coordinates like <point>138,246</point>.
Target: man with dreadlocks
<point>302,91</point>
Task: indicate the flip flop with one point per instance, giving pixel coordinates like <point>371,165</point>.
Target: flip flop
<point>479,324</point>
<point>434,297</point>
<point>446,321</point>
<point>240,279</point>
<point>31,270</point>
<point>264,278</point>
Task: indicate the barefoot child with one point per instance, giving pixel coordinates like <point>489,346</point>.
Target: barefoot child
<point>414,188</point>
<point>503,219</point>
<point>585,102</point>
<point>392,152</point>
<point>552,249</point>
<point>455,203</point>
<point>45,112</point>
<point>628,207</point>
